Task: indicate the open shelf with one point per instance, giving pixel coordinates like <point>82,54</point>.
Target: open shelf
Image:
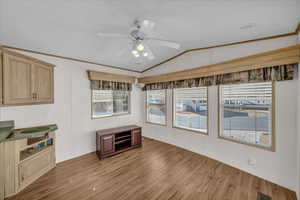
<point>24,155</point>
<point>123,145</point>
<point>36,148</point>
<point>122,137</point>
<point>122,141</point>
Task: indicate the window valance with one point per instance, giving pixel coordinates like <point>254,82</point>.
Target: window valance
<point>109,81</point>
<point>110,85</point>
<point>275,73</point>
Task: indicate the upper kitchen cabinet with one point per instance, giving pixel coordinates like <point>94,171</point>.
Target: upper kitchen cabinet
<point>26,80</point>
<point>43,83</point>
<point>1,94</point>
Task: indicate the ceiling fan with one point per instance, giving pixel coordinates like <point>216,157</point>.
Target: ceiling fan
<point>138,35</point>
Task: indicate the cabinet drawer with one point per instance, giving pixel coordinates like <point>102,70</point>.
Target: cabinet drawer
<point>33,168</point>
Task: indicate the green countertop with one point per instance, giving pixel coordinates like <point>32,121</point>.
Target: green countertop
<point>8,133</point>
<point>5,129</point>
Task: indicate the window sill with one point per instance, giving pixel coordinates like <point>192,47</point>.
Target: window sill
<point>152,123</point>
<point>191,130</point>
<point>109,116</point>
<point>272,148</point>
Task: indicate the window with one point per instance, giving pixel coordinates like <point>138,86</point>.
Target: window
<point>246,113</point>
<point>190,109</point>
<point>156,106</point>
<point>110,102</point>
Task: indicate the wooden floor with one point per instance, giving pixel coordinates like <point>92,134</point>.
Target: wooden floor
<point>156,171</point>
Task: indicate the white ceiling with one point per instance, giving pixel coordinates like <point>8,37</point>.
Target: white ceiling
<point>69,27</point>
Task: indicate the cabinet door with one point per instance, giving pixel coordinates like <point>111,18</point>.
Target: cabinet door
<point>43,83</point>
<point>32,169</point>
<point>136,137</point>
<point>2,168</point>
<point>17,80</point>
<point>107,144</point>
<point>1,81</point>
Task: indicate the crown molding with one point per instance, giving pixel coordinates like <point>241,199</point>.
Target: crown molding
<point>68,58</point>
<point>287,55</point>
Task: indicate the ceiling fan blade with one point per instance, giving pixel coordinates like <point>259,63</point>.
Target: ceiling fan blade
<point>112,35</point>
<point>150,55</point>
<point>146,26</point>
<point>161,42</point>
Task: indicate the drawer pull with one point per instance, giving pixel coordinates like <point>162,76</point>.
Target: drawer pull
<point>107,138</point>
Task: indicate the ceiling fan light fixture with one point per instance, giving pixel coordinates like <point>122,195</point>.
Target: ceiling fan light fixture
<point>134,52</point>
<point>145,54</point>
<point>140,47</point>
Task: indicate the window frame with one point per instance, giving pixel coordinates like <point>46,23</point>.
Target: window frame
<point>113,115</point>
<point>186,129</point>
<point>272,148</point>
<point>146,109</point>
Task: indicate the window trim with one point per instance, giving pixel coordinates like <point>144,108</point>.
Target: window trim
<point>146,103</point>
<point>272,148</point>
<point>186,129</point>
<point>113,115</point>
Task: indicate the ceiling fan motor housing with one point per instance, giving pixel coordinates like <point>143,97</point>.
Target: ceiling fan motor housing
<point>137,35</point>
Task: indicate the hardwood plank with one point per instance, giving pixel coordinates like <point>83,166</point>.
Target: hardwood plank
<point>155,171</point>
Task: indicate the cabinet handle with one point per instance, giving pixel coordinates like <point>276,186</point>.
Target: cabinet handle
<point>107,138</point>
<point>34,95</point>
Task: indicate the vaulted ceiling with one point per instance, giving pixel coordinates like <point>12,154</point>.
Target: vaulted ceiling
<point>69,27</point>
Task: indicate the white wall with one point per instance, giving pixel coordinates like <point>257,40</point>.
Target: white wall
<point>279,167</point>
<point>298,128</point>
<point>72,109</point>
<point>215,55</point>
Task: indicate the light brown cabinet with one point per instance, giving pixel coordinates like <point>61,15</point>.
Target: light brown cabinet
<point>43,83</point>
<point>1,95</point>
<point>24,161</point>
<point>26,80</point>
<point>2,172</point>
<point>31,169</point>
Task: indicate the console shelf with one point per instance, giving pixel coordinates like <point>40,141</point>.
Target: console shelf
<point>117,140</point>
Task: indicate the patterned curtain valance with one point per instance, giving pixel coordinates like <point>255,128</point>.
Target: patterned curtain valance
<point>110,85</point>
<point>276,73</point>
